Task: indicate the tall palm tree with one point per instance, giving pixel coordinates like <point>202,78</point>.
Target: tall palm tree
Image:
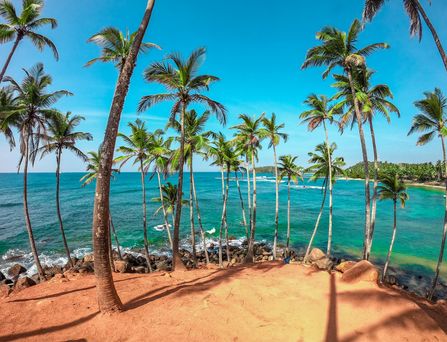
<point>7,103</point>
<point>414,10</point>
<point>116,46</point>
<point>185,86</point>
<point>392,188</point>
<point>249,136</point>
<point>237,167</point>
<point>372,100</point>
<point>26,24</point>
<point>320,112</point>
<point>320,159</point>
<point>431,122</point>
<point>272,132</point>
<point>293,172</point>
<point>137,147</point>
<point>32,110</point>
<point>339,49</point>
<point>108,299</point>
<point>61,135</point>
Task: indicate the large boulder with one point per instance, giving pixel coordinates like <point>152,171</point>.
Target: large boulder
<point>15,270</point>
<point>344,266</point>
<point>121,266</point>
<point>324,263</point>
<point>316,254</point>
<point>23,283</point>
<point>88,258</point>
<point>162,265</point>
<point>361,271</point>
<point>51,271</point>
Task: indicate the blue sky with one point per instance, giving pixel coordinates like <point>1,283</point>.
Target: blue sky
<point>255,49</point>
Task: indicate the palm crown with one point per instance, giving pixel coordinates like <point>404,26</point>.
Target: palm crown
<point>169,198</point>
<point>392,187</point>
<point>320,110</point>
<point>272,130</point>
<point>320,160</point>
<point>94,159</point>
<point>7,103</point>
<point>288,168</point>
<point>249,133</point>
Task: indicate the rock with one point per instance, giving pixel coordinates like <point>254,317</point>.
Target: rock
<point>361,271</point>
<point>88,258</point>
<point>225,264</point>
<point>316,254</point>
<point>391,280</point>
<point>2,276</point>
<point>23,283</point>
<point>344,266</point>
<point>324,263</point>
<point>5,290</point>
<point>51,271</point>
<point>16,270</point>
<point>6,282</point>
<point>121,266</point>
<point>138,269</point>
<point>59,278</point>
<point>36,278</point>
<point>162,266</point>
<point>233,261</point>
<point>74,260</point>
<point>86,267</point>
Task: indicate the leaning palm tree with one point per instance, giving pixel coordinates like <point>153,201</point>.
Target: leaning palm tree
<point>169,195</point>
<point>60,136</point>
<point>237,167</point>
<point>372,100</point>
<point>185,86</point>
<point>431,122</point>
<point>339,49</point>
<point>249,136</point>
<point>414,10</point>
<point>108,299</point>
<point>116,46</point>
<point>320,112</point>
<point>392,188</point>
<point>272,132</point>
<point>30,114</point>
<point>288,169</point>
<point>137,147</point>
<point>320,160</point>
<point>7,104</point>
<point>26,24</point>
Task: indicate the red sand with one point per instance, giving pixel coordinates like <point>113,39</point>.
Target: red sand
<point>265,302</point>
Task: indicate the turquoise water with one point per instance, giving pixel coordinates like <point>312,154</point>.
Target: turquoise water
<point>416,248</point>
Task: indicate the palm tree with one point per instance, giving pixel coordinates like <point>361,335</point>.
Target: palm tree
<point>180,77</point>
<point>293,172</point>
<point>17,27</point>
<point>320,112</point>
<point>249,136</point>
<point>108,299</point>
<point>414,10</point>
<point>137,147</point>
<point>30,114</point>
<point>372,100</point>
<point>392,188</point>
<point>431,121</point>
<point>339,49</point>
<point>272,132</point>
<point>237,167</point>
<point>116,46</point>
<point>61,135</point>
<point>320,160</point>
<point>7,103</point>
<point>169,195</point>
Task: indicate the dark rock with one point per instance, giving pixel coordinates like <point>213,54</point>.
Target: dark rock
<point>390,279</point>
<point>23,283</point>
<point>16,270</point>
<point>36,278</point>
<point>162,266</point>
<point>122,266</point>
<point>324,263</point>
<point>86,267</point>
<point>6,282</point>
<point>2,276</point>
<point>51,271</point>
<point>74,260</point>
<point>138,269</point>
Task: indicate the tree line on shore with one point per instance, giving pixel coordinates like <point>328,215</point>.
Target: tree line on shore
<point>28,107</point>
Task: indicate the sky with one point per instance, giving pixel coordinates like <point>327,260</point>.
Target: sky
<point>256,50</point>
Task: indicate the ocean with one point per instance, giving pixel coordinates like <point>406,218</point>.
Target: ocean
<point>414,256</point>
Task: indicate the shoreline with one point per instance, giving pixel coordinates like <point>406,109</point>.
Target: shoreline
<point>431,185</point>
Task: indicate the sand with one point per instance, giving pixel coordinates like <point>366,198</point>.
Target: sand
<point>265,302</point>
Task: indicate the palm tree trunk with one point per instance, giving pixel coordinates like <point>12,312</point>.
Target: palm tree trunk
<point>165,214</point>
<point>199,219</point>
<point>59,216</point>
<point>393,237</point>
<point>316,226</point>
<point>191,214</point>
<point>275,238</point>
<point>29,228</point>
<point>288,218</point>
<point>329,154</point>
<point>116,238</point>
<point>250,212</point>
<point>226,222</point>
<point>108,299</point>
<point>444,233</point>
<point>433,32</point>
<point>112,264</point>
<point>222,220</point>
<point>244,220</point>
<point>8,60</point>
<point>375,184</point>
<point>146,244</point>
<point>366,168</point>
<point>250,255</point>
<point>176,260</point>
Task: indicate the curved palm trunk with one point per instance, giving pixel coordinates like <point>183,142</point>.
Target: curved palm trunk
<point>250,255</point>
<point>226,222</point>
<point>8,60</point>
<point>250,213</point>
<point>191,215</point>
<point>29,228</point>
<point>433,32</point>
<point>165,214</point>
<point>116,237</point>
<point>112,264</point>
<point>146,243</point>
<point>275,238</point>
<point>288,217</point>
<point>223,224</point>
<point>358,115</point>
<point>199,219</point>
<point>444,232</point>
<point>329,237</point>
<point>108,299</point>
<point>244,220</point>
<point>375,184</point>
<point>393,237</point>
<point>58,206</point>
<point>316,226</point>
